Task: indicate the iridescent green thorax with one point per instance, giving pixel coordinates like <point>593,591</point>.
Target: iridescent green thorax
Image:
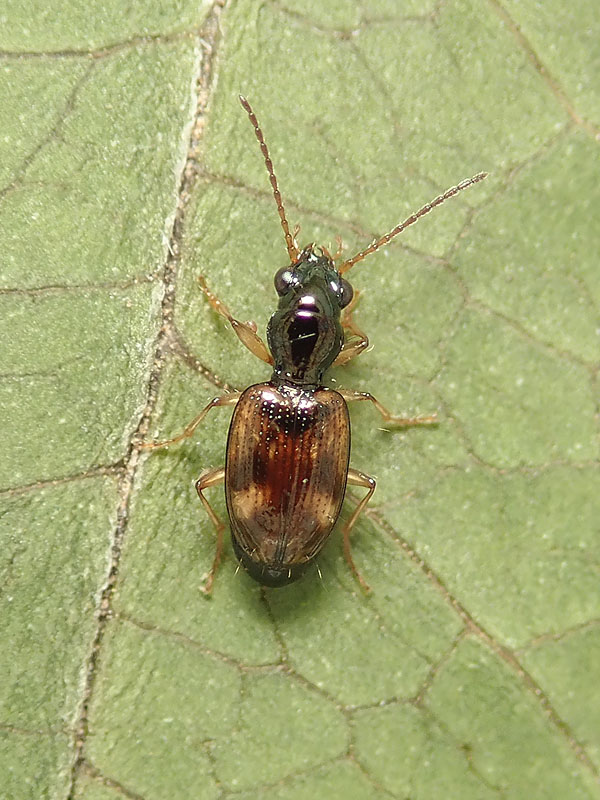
<point>305,333</point>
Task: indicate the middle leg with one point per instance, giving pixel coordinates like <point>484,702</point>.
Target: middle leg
<point>404,422</point>
<point>224,400</point>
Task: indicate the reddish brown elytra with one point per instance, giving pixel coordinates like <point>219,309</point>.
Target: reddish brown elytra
<point>288,450</point>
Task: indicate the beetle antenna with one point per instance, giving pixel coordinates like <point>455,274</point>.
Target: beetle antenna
<point>410,221</point>
<point>292,249</point>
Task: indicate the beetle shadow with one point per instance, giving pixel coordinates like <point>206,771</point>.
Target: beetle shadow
<point>310,597</point>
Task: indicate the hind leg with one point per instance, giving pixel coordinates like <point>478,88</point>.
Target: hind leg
<point>356,478</point>
<point>212,477</point>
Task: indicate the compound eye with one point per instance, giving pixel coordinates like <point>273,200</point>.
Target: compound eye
<point>347,294</point>
<point>284,279</point>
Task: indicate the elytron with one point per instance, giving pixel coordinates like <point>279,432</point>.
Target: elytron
<point>288,450</point>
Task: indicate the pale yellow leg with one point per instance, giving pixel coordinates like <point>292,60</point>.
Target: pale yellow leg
<point>404,422</point>
<point>245,331</point>
<point>224,400</point>
<point>212,478</point>
<point>352,347</point>
<point>356,478</point>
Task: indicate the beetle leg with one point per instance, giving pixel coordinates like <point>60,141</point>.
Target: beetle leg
<point>352,347</point>
<point>245,331</point>
<point>404,422</point>
<point>224,400</point>
<point>212,477</point>
<point>356,478</point>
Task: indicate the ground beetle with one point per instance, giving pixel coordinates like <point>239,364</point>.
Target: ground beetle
<point>288,450</point>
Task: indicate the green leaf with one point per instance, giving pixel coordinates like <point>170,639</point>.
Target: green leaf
<point>128,168</point>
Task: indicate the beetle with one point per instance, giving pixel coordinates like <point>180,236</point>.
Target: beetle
<point>288,448</point>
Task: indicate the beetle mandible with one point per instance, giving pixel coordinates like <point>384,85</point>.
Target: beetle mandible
<point>288,449</point>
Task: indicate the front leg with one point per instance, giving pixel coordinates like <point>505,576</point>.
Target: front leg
<point>404,422</point>
<point>245,331</point>
<point>351,347</point>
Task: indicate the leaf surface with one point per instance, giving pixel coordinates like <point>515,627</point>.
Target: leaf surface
<point>128,169</point>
